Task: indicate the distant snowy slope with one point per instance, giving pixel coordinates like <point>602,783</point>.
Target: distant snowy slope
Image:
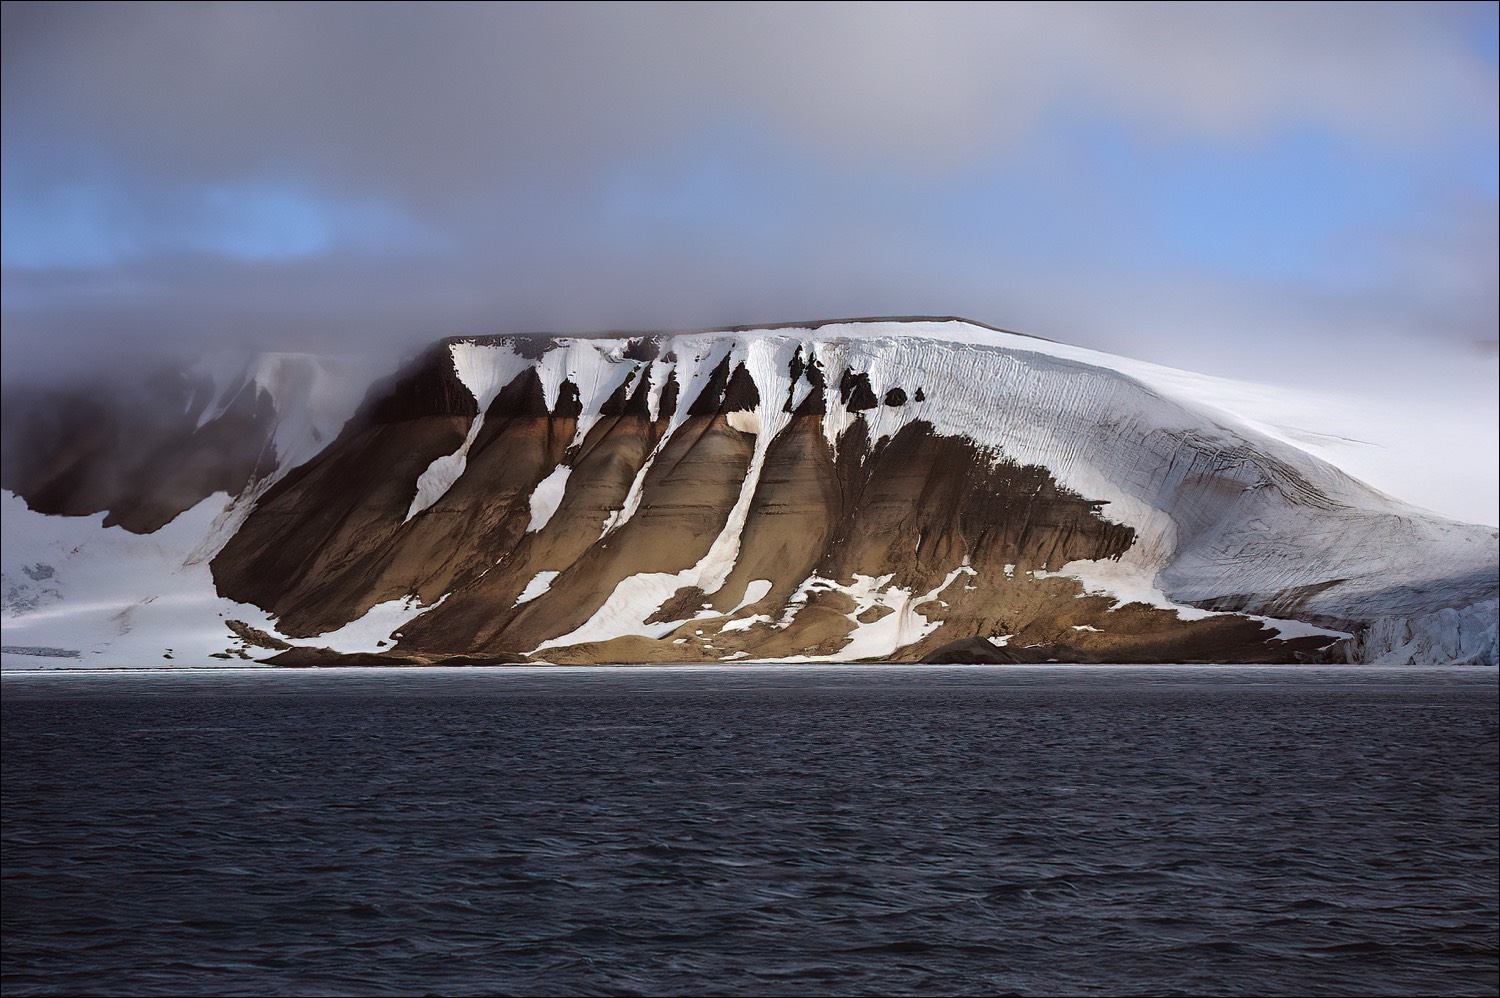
<point>79,593</point>
<point>1376,442</point>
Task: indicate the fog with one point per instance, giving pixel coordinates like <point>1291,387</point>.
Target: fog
<point>1304,195</point>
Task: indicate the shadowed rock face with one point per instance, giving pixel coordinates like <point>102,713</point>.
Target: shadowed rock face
<point>685,536</point>
<point>140,456</point>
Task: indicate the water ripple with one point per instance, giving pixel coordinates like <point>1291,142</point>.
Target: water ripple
<point>1005,831</point>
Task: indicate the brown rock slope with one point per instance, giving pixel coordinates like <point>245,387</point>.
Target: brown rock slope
<point>911,546</point>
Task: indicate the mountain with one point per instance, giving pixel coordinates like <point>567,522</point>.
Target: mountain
<point>887,490</point>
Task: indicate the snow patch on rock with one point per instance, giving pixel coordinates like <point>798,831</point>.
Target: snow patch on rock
<point>745,623</point>
<point>442,473</point>
<point>903,626</point>
<point>485,371</point>
<point>371,632</point>
<point>639,597</point>
<point>547,496</point>
<point>540,583</point>
<point>1124,582</point>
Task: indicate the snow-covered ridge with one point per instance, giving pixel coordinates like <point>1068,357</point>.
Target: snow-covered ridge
<point>1365,439</point>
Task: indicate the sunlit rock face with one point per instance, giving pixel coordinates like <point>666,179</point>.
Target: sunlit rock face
<point>861,491</point>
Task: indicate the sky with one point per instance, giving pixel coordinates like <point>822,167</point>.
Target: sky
<point>1304,195</point>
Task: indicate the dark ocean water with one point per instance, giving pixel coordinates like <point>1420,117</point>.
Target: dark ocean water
<point>935,831</point>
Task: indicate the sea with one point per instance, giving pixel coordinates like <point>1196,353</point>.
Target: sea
<point>754,830</point>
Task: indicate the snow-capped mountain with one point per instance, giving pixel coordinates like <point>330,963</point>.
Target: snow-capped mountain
<point>895,490</point>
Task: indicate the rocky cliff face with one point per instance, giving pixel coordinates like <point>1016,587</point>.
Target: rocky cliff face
<point>858,491</point>
<point>144,452</point>
<point>144,458</point>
